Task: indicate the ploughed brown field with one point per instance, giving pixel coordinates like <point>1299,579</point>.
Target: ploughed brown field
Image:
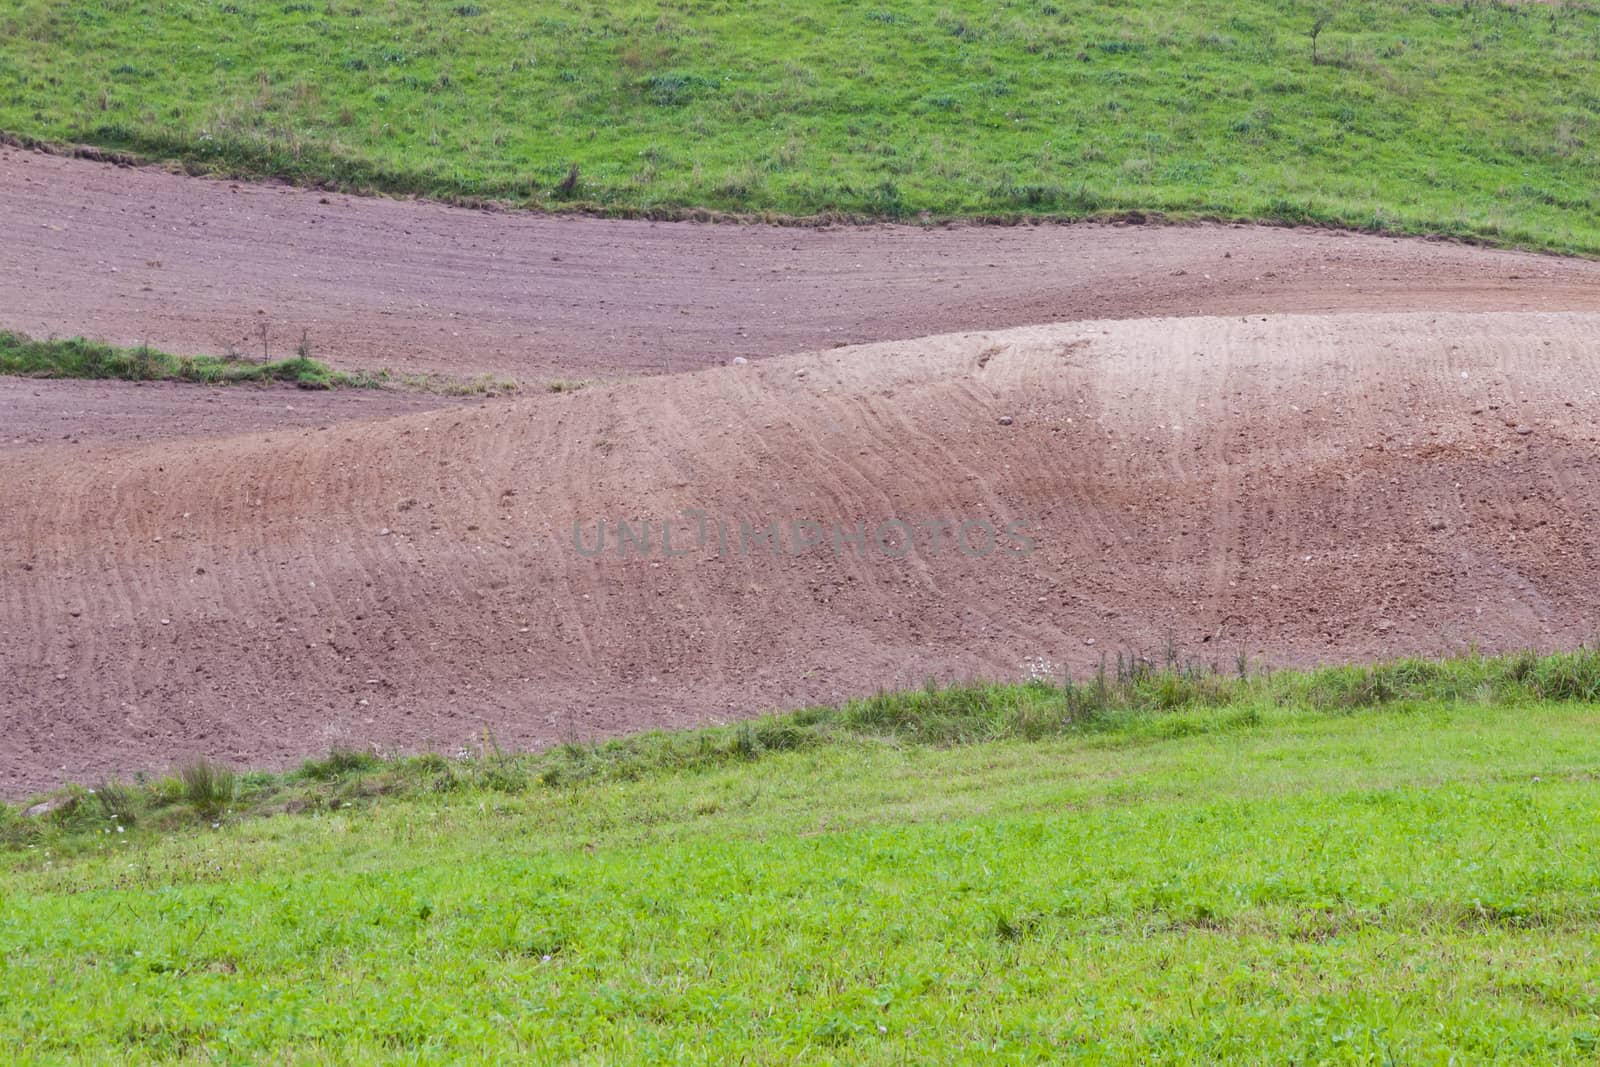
<point>952,452</point>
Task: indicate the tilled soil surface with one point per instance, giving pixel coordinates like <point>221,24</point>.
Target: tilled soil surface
<point>36,411</point>
<point>135,255</point>
<point>1299,487</point>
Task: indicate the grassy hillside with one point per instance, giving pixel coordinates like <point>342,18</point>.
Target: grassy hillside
<point>1360,866</point>
<point>1468,118</point>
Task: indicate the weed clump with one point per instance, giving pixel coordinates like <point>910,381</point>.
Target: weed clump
<point>118,802</point>
<point>79,358</point>
<point>209,787</point>
<point>338,764</point>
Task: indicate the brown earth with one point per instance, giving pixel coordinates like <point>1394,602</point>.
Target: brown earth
<point>1299,487</point>
<point>36,411</point>
<point>135,255</point>
<point>1367,447</point>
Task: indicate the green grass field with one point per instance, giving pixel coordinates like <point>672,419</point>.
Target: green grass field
<point>1467,118</point>
<point>1392,865</point>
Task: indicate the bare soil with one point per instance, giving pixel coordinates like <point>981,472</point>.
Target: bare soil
<point>1301,488</point>
<point>1298,445</point>
<point>39,411</point>
<point>133,255</point>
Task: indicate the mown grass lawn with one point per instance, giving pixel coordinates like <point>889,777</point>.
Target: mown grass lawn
<point>1385,876</point>
<point>1469,118</point>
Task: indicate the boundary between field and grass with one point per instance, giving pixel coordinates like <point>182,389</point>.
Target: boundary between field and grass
<point>1133,700</point>
<point>1428,120</point>
<point>78,358</point>
<point>1089,212</point>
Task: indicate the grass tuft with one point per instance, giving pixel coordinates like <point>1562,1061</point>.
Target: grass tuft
<point>79,358</point>
<point>118,802</point>
<point>337,764</point>
<point>208,787</point>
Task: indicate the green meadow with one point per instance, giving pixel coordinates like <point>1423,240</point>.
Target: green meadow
<point>1357,866</point>
<point>1472,119</point>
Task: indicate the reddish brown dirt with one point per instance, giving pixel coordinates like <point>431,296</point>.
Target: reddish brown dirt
<point>263,574</point>
<point>135,254</point>
<point>37,411</point>
<point>1301,487</point>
